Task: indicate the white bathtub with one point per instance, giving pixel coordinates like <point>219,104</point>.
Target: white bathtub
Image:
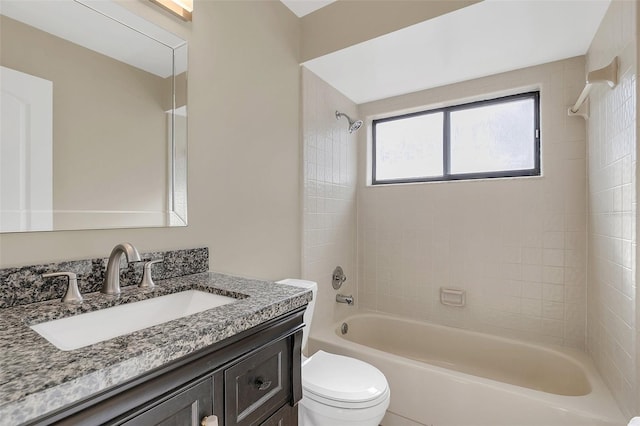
<point>443,376</point>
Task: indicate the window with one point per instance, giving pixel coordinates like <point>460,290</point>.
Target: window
<point>486,139</point>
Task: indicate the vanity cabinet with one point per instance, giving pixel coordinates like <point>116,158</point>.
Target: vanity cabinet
<point>250,379</point>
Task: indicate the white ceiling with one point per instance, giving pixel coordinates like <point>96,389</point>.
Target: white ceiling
<point>83,22</point>
<point>305,7</point>
<point>487,38</point>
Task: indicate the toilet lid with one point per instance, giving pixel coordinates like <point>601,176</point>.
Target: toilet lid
<point>342,379</point>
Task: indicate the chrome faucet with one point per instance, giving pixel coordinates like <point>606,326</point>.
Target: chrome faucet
<point>340,298</point>
<point>111,283</point>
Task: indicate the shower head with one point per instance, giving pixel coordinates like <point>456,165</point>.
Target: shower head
<point>353,125</point>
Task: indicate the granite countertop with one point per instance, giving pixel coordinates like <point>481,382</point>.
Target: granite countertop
<point>37,378</point>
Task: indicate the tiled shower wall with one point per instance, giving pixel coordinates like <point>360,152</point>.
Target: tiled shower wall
<point>612,301</point>
<point>517,246</point>
<point>329,218</point>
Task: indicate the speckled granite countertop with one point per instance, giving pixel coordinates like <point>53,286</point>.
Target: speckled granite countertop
<point>37,378</point>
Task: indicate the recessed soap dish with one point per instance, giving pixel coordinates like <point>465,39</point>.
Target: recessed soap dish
<point>452,297</point>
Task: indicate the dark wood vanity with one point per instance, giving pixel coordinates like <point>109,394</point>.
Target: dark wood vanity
<point>251,378</point>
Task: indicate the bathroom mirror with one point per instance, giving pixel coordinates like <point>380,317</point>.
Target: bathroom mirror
<point>93,132</point>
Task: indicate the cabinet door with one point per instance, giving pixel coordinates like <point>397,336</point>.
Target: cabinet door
<point>185,408</point>
<point>286,416</point>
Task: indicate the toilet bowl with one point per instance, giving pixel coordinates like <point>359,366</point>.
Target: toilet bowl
<point>338,390</point>
<point>342,391</point>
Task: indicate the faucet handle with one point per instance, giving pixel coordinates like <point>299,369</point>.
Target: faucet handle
<point>72,295</point>
<point>147,280</point>
<point>338,278</point>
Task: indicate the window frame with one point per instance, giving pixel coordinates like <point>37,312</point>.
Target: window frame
<point>446,143</point>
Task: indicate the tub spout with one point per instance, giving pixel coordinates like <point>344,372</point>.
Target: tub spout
<point>340,298</point>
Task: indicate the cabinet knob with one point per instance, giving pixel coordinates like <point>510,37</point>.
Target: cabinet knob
<point>209,421</point>
<point>262,384</point>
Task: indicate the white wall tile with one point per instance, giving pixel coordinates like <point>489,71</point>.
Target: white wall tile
<point>515,245</point>
<point>611,312</point>
<point>329,198</point>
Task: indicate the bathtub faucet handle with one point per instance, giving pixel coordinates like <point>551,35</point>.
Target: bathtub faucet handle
<point>338,278</point>
<point>340,298</point>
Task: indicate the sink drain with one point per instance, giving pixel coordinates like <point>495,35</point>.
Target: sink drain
<point>344,328</point>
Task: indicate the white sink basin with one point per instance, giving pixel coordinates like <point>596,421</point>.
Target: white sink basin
<point>97,326</point>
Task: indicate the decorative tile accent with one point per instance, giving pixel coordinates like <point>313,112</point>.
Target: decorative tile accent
<point>24,285</point>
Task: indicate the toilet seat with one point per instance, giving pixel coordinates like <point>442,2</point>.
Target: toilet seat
<point>343,382</point>
<point>347,405</point>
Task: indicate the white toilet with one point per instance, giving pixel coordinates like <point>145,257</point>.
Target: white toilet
<point>338,390</point>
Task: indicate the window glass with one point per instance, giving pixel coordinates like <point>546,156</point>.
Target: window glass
<point>486,139</point>
<point>409,148</point>
<point>493,137</point>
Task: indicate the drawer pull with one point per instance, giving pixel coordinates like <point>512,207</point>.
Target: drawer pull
<point>261,384</point>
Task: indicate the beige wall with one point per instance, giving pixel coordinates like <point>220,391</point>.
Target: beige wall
<point>612,300</point>
<point>517,246</point>
<point>107,115</point>
<point>330,163</point>
<point>637,187</point>
<point>244,201</point>
<point>346,22</point>
<point>637,401</point>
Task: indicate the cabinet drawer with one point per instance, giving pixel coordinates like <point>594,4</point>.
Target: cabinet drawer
<point>185,408</point>
<point>258,384</point>
<point>286,416</point>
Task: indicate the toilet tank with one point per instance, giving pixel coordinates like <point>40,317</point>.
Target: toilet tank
<point>308,314</point>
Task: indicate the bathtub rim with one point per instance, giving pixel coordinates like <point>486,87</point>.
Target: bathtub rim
<point>572,355</point>
<point>597,404</point>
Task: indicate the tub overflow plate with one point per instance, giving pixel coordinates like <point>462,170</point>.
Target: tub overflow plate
<point>344,328</point>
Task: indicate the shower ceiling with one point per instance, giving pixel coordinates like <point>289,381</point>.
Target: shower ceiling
<point>487,38</point>
<point>305,7</point>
